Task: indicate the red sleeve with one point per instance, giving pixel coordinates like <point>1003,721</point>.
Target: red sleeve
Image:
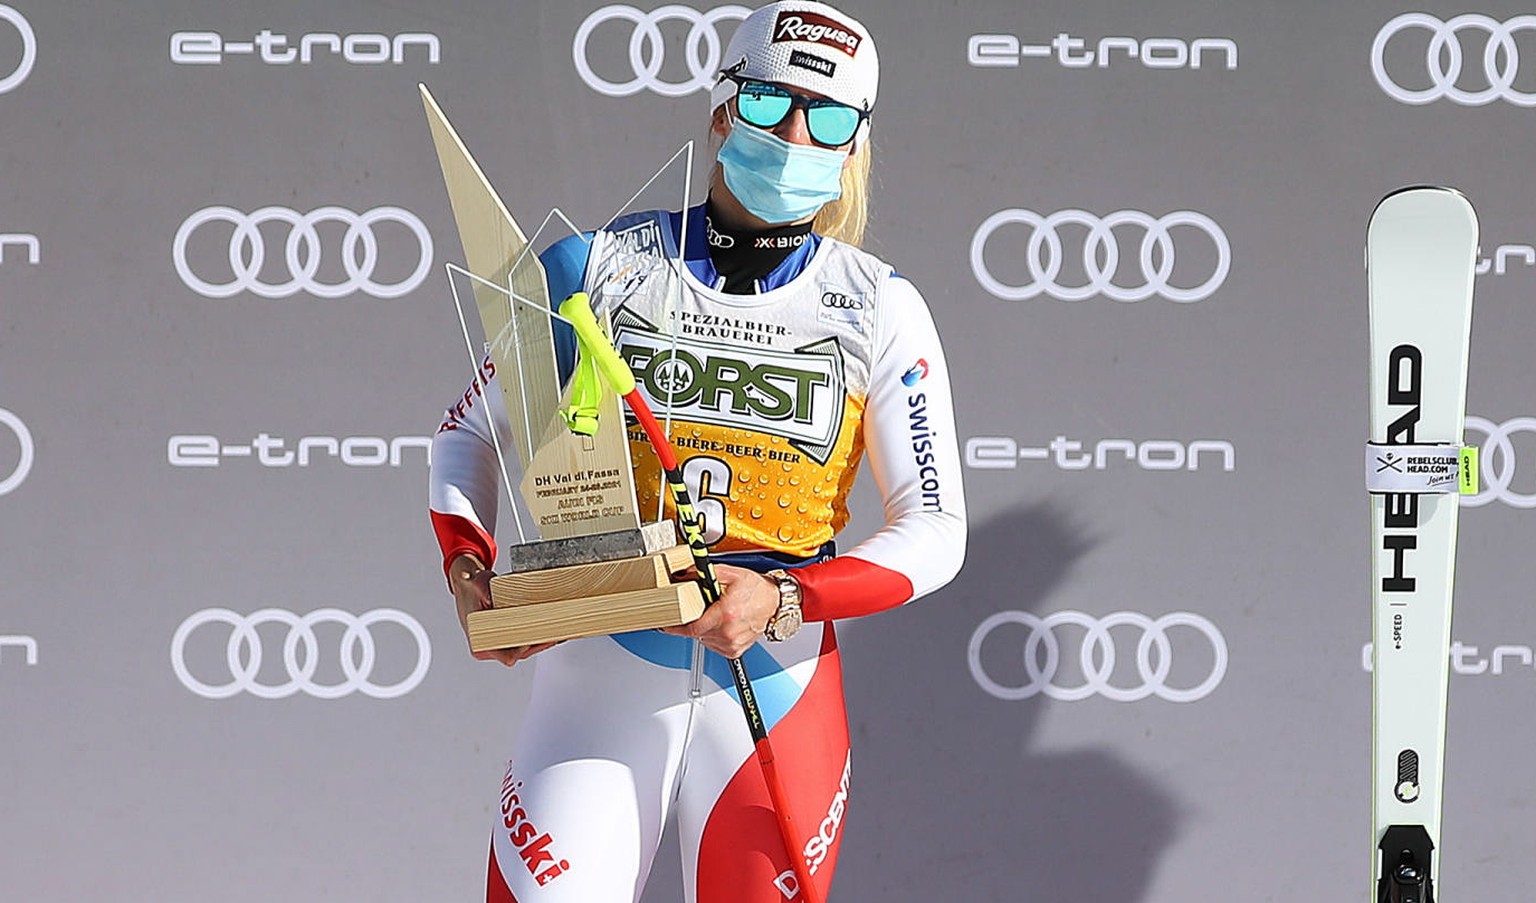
<point>848,587</point>
<point>460,536</point>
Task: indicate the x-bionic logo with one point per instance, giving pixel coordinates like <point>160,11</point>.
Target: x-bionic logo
<point>28,48</point>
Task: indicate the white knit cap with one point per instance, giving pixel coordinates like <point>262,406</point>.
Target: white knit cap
<point>806,45</point>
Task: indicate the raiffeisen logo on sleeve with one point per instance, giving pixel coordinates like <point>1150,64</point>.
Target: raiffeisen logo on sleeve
<point>1005,453</point>
<point>209,48</point>
<point>266,450</point>
<point>985,51</point>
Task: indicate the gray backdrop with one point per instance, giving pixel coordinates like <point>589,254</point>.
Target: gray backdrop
<point>1167,461</point>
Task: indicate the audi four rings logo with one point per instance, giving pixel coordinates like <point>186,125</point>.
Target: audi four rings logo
<point>1498,462</point>
<point>356,654</point>
<point>28,48</point>
<point>701,52</point>
<point>1045,252</point>
<point>301,252</point>
<point>1097,656</point>
<point>1444,57</point>
<point>24,463</point>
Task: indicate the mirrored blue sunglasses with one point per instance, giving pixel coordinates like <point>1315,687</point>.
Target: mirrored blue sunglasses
<point>831,124</point>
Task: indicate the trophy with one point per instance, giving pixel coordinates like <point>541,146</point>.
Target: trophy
<point>595,568</point>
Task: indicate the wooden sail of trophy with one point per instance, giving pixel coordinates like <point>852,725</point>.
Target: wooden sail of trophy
<point>595,570</point>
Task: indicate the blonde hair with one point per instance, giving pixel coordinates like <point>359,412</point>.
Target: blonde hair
<point>846,218</point>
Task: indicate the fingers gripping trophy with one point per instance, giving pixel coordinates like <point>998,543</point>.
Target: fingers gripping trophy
<point>728,364</point>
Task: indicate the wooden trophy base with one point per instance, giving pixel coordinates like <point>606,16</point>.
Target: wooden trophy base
<point>588,599</point>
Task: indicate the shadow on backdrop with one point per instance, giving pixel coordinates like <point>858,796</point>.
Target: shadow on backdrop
<point>949,800</point>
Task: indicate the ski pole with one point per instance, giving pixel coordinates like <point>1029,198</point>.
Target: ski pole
<point>594,344</point>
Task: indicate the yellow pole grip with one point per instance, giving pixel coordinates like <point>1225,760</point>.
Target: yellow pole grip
<point>578,310</point>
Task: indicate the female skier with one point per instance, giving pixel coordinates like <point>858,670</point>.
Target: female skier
<point>797,354</point>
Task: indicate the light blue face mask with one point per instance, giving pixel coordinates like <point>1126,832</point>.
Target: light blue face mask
<point>779,182</point>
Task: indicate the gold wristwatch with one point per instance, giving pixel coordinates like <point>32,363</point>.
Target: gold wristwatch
<point>785,622</point>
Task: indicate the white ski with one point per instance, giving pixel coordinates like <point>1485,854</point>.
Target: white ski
<point>1421,248</point>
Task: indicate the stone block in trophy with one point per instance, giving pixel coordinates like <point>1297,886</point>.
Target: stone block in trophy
<point>594,568</point>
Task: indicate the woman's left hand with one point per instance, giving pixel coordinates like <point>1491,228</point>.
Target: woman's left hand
<point>733,624</point>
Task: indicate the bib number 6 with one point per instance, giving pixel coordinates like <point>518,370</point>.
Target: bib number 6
<point>702,475</point>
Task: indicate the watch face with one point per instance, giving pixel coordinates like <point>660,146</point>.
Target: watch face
<point>787,625</point>
<point>787,620</point>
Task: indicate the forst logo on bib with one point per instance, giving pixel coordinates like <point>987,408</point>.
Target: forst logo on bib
<point>798,395</point>
<point>816,29</point>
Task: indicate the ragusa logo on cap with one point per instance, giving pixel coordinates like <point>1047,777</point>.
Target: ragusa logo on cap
<point>816,28</point>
